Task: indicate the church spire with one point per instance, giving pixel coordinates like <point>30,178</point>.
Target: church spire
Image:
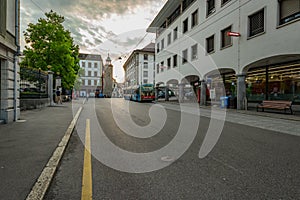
<point>108,60</point>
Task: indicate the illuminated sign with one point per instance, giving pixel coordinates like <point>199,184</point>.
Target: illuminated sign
<point>234,34</point>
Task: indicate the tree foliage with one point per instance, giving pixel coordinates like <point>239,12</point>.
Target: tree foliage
<point>49,44</point>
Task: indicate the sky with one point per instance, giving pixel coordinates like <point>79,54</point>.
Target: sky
<point>100,27</point>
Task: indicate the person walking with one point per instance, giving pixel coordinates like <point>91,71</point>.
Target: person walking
<point>58,95</point>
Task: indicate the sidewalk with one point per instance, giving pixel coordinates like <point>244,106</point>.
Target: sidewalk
<point>274,121</point>
<point>27,145</point>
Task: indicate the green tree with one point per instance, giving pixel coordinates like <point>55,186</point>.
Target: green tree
<point>49,44</point>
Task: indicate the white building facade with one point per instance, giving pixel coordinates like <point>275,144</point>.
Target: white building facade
<point>139,67</point>
<point>9,64</point>
<point>92,65</point>
<point>259,59</point>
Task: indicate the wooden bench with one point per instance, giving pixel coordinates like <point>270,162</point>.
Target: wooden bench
<point>280,105</point>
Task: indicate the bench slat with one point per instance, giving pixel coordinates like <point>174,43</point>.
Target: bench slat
<point>282,105</point>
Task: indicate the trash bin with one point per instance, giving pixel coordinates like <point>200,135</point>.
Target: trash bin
<point>224,102</point>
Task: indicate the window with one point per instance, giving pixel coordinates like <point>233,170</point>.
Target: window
<point>194,54</point>
<point>169,38</point>
<point>89,73</point>
<point>224,1</point>
<point>89,65</point>
<point>210,44</point>
<point>83,64</point>
<point>225,40</point>
<point>210,7</point>
<point>195,18</point>
<point>145,81</point>
<point>175,32</point>
<point>145,65</point>
<point>95,65</point>
<point>289,10</point>
<point>256,23</point>
<point>185,25</point>
<point>157,68</point>
<point>89,82</point>
<point>174,61</point>
<point>145,74</point>
<point>162,44</point>
<point>95,82</point>
<point>169,63</point>
<point>3,15</point>
<point>157,48</point>
<point>95,74</point>
<point>145,56</point>
<point>184,56</point>
<point>162,66</point>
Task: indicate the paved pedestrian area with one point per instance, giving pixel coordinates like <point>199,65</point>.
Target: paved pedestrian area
<point>274,121</point>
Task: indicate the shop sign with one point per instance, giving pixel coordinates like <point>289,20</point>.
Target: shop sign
<point>233,34</point>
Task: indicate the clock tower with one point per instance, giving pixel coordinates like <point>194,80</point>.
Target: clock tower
<point>108,77</point>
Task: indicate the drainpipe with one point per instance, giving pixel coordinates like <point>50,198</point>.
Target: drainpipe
<point>16,56</point>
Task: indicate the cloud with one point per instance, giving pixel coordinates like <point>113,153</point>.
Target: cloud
<point>90,15</point>
<point>98,26</point>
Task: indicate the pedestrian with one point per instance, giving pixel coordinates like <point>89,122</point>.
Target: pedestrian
<point>58,95</point>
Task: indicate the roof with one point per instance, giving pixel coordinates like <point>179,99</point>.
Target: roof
<point>83,56</point>
<point>163,14</point>
<point>150,48</point>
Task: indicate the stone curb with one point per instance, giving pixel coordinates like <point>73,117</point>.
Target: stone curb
<point>41,186</point>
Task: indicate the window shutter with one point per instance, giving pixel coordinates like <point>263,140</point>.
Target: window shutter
<point>3,12</point>
<point>289,7</point>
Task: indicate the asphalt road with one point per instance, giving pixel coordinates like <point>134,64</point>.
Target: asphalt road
<point>246,163</point>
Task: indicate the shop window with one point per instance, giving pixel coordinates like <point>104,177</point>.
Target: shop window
<point>289,10</point>
<point>210,44</point>
<point>210,7</point>
<point>185,25</point>
<point>184,56</point>
<point>225,40</point>
<point>256,23</point>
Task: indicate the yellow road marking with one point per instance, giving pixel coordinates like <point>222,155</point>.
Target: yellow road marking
<point>87,192</point>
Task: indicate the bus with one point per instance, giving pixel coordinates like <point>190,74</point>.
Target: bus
<point>139,93</point>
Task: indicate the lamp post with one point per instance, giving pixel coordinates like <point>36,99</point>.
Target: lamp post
<point>50,85</point>
<point>39,82</point>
